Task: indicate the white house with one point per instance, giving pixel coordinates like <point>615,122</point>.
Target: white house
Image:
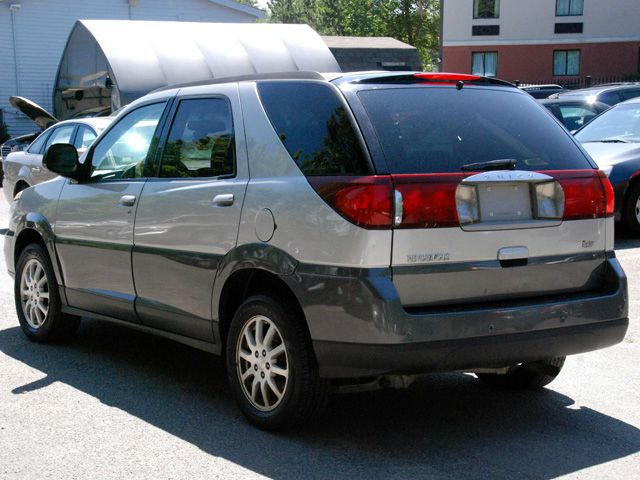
<point>33,35</point>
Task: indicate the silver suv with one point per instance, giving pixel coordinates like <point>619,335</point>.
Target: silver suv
<point>325,230</point>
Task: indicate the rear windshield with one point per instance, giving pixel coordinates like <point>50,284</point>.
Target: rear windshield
<point>438,130</point>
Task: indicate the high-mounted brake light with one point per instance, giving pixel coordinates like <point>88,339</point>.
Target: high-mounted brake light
<point>447,77</point>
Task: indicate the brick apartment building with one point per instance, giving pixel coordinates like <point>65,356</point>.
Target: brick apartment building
<point>542,40</point>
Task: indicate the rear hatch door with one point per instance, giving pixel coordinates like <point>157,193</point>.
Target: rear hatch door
<point>493,198</point>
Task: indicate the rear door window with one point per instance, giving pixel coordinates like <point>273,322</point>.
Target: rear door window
<point>313,123</point>
<point>440,129</point>
<point>38,144</point>
<point>201,142</point>
<point>61,134</point>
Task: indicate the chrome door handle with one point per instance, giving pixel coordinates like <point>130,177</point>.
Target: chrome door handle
<point>223,200</point>
<point>128,200</point>
<point>36,169</point>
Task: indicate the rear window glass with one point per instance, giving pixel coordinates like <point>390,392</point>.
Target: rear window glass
<point>314,127</point>
<point>438,130</point>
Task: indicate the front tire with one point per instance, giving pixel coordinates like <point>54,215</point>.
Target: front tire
<point>37,298</point>
<point>526,376</point>
<point>270,365</point>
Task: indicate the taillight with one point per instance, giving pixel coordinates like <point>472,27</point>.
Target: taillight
<point>428,200</point>
<point>365,201</point>
<point>587,194</point>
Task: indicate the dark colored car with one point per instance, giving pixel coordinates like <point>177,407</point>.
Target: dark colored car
<point>611,94</point>
<point>573,113</point>
<point>613,141</point>
<point>542,91</point>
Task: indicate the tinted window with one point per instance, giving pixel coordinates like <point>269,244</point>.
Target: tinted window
<point>38,144</point>
<point>440,129</point>
<point>123,151</point>
<point>610,98</point>
<point>201,140</point>
<point>61,135</point>
<point>314,126</point>
<point>84,137</point>
<point>621,123</point>
<point>629,94</point>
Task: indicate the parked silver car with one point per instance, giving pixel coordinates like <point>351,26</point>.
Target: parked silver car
<point>321,228</point>
<point>24,169</point>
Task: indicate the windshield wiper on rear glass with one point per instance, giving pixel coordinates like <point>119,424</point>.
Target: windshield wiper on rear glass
<point>502,164</point>
<point>611,140</point>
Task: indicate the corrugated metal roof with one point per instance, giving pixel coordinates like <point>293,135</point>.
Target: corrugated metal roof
<point>146,55</point>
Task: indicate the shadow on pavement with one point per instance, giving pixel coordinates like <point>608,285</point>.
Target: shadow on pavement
<point>443,426</point>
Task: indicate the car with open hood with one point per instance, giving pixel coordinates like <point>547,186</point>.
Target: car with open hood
<point>23,169</point>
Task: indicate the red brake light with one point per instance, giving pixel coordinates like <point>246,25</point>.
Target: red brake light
<point>587,193</point>
<point>447,77</point>
<point>429,200</point>
<point>365,201</point>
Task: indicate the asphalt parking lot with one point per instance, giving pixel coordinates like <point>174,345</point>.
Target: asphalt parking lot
<point>115,403</point>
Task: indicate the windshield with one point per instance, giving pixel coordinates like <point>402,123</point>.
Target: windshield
<point>621,124</point>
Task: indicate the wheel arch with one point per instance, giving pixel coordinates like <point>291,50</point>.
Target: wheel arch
<point>35,228</point>
<point>250,270</point>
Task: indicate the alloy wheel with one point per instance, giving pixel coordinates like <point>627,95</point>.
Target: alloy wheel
<point>262,363</point>
<point>34,293</point>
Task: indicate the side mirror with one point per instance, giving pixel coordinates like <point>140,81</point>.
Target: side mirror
<point>62,158</point>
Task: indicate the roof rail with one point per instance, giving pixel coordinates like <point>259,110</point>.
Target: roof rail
<point>240,78</point>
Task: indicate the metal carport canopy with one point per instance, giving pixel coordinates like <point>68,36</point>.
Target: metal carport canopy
<point>145,55</point>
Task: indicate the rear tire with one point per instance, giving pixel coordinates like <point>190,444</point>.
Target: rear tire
<point>526,376</point>
<point>37,298</point>
<point>631,211</point>
<point>271,367</point>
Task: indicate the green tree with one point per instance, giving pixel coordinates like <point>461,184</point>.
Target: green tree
<point>251,3</point>
<point>416,22</point>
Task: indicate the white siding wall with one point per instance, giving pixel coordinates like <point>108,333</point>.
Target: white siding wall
<point>527,21</point>
<point>42,28</point>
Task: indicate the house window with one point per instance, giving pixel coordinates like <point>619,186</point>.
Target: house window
<point>566,62</point>
<point>566,8</point>
<point>484,63</point>
<point>486,8</point>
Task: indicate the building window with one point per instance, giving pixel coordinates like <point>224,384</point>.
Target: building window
<point>484,63</point>
<point>566,8</point>
<point>566,62</point>
<point>486,8</point>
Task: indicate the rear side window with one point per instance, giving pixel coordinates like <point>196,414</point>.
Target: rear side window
<point>438,130</point>
<point>38,144</point>
<point>61,135</point>
<point>84,137</point>
<point>314,126</point>
<point>201,141</point>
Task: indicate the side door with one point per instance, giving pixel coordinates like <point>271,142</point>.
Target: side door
<point>94,221</point>
<point>188,216</point>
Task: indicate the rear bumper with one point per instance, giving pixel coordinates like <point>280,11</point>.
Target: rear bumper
<point>359,328</point>
<point>362,360</point>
